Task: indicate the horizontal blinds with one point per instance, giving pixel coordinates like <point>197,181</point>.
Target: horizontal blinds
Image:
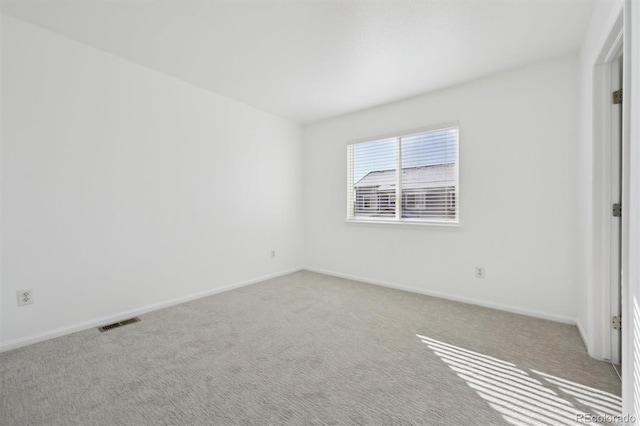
<point>406,177</point>
<point>429,174</point>
<point>373,193</point>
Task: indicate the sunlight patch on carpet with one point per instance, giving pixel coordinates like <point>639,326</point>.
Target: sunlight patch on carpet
<point>526,398</point>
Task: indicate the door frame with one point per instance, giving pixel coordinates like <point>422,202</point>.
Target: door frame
<point>631,212</point>
<point>600,294</point>
<point>614,147</point>
<point>629,11</point>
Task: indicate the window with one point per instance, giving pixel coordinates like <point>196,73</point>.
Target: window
<point>421,169</point>
<point>410,201</point>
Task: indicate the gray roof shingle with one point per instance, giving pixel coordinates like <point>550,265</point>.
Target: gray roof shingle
<point>421,177</point>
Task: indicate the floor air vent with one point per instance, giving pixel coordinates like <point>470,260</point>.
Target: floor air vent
<point>119,324</point>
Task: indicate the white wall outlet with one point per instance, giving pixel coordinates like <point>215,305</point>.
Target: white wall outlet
<point>479,272</point>
<point>25,297</point>
<point>273,253</point>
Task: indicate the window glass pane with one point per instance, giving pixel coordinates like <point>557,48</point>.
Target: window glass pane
<point>374,174</point>
<point>429,174</point>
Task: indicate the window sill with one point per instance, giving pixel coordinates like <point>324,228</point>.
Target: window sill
<point>406,223</point>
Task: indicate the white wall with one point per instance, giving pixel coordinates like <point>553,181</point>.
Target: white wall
<point>518,170</point>
<point>124,189</point>
<point>593,277</point>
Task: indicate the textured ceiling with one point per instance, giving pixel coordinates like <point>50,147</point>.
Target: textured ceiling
<point>307,60</point>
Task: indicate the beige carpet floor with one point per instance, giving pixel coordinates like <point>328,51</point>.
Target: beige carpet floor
<point>311,349</point>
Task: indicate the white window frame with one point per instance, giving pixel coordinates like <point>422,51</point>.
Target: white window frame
<point>400,221</point>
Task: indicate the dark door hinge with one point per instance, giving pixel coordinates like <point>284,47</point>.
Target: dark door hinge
<point>617,97</point>
<point>616,210</point>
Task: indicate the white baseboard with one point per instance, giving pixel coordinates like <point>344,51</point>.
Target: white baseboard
<point>483,303</point>
<point>29,340</point>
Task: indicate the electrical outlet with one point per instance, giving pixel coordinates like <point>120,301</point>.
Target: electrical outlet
<point>273,253</point>
<point>479,272</point>
<point>25,297</point>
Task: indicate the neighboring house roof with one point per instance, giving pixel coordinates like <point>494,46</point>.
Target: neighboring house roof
<point>434,176</point>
